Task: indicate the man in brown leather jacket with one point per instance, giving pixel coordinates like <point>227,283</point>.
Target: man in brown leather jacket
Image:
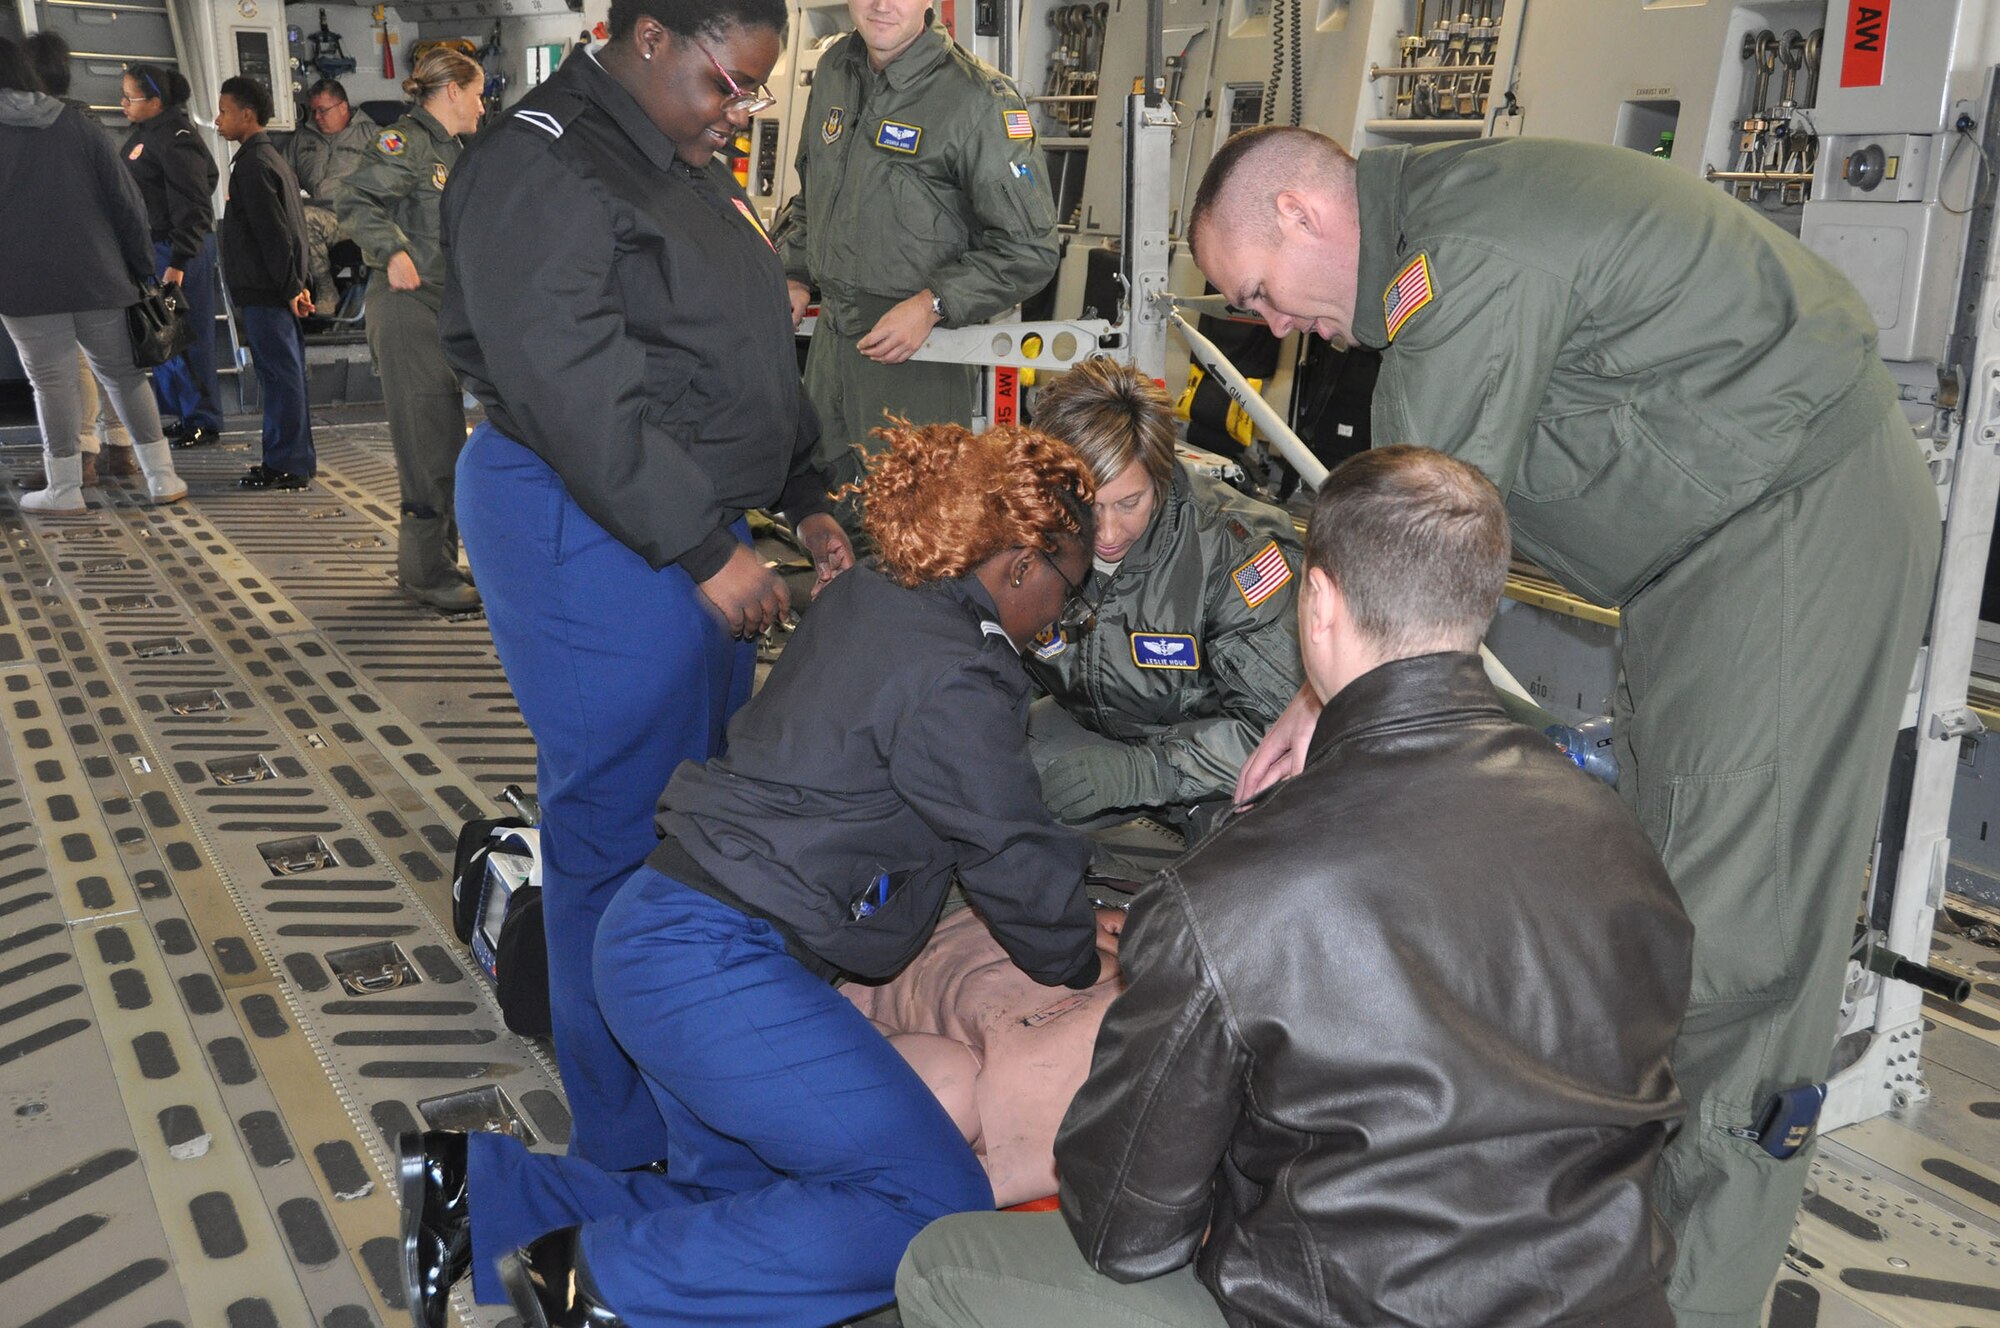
<point>1393,1046</point>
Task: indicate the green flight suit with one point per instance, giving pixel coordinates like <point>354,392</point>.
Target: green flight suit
<point>1187,660</point>
<point>1685,410</point>
<point>389,204</point>
<point>925,176</point>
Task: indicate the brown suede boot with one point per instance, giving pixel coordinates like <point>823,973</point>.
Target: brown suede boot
<point>40,479</point>
<point>115,460</point>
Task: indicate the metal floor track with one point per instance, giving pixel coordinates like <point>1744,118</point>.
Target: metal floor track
<point>232,756</point>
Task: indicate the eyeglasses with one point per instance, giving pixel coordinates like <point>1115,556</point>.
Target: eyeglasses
<point>134,101</point>
<point>1078,613</point>
<point>321,112</point>
<point>747,103</point>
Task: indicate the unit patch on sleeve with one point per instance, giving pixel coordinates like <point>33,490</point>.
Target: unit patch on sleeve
<point>1263,576</point>
<point>392,142</point>
<point>1410,291</point>
<point>1018,124</point>
<point>898,137</point>
<point>1165,650</point>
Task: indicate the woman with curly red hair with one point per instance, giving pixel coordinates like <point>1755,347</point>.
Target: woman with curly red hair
<point>886,756</point>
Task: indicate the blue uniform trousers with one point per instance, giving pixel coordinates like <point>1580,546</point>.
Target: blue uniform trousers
<point>278,353</point>
<point>185,384</point>
<point>622,673</point>
<point>806,1155</point>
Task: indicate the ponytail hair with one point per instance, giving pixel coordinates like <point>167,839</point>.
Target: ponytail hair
<point>439,68</point>
<point>167,84</point>
<point>943,500</point>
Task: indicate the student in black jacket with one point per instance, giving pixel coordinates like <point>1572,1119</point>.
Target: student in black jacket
<point>612,300</point>
<point>805,1153</point>
<point>264,261</point>
<point>176,177</point>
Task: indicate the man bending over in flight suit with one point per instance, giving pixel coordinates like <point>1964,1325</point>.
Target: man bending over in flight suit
<point>1379,1059</point>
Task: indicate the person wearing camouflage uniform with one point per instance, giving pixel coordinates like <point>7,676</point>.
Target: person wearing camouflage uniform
<point>324,151</point>
<point>923,200</point>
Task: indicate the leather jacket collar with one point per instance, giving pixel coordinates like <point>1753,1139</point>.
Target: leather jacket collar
<point>1404,694</point>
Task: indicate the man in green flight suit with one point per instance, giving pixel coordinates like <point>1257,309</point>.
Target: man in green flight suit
<point>1686,411</point>
<point>922,199</point>
<point>322,153</point>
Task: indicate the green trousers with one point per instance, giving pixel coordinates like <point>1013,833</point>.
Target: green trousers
<point>426,408</point>
<point>1022,1270</point>
<point>1762,678</point>
<point>854,395</point>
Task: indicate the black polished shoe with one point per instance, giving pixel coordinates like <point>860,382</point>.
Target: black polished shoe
<point>437,1221</point>
<point>258,477</point>
<point>550,1284</point>
<point>193,437</point>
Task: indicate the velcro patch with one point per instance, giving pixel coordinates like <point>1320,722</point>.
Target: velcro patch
<point>899,137</point>
<point>392,142</point>
<point>1410,291</point>
<point>1050,643</point>
<point>1165,650</point>
<point>1263,576</point>
<point>439,173</point>
<point>1018,124</point>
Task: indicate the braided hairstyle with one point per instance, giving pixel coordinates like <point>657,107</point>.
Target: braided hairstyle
<point>942,500</point>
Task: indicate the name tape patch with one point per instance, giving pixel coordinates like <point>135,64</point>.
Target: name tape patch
<point>898,137</point>
<point>1410,291</point>
<point>1165,650</point>
<point>1263,576</point>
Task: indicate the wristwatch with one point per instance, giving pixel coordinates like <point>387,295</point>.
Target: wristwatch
<point>937,307</point>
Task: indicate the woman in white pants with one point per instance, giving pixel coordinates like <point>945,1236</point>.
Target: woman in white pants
<point>77,250</point>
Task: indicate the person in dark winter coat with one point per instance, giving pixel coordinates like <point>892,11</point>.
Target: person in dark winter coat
<point>177,179</point>
<point>74,260</point>
<point>264,261</point>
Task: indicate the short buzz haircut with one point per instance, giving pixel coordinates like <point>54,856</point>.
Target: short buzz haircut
<point>689,18</point>
<point>49,54</point>
<point>330,86</point>
<point>1111,415</point>
<point>1239,190</point>
<point>1417,542</point>
<point>251,95</point>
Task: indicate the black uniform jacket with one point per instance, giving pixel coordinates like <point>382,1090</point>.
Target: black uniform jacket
<point>1397,1037</point>
<point>623,316</point>
<point>177,178</point>
<point>887,751</point>
<point>263,227</point>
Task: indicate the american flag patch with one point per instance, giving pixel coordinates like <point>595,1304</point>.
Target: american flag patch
<point>1409,292</point>
<point>1018,124</point>
<point>1263,576</point>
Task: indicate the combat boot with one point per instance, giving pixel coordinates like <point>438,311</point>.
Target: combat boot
<point>424,571</point>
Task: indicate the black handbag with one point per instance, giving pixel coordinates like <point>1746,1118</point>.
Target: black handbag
<point>159,324</point>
